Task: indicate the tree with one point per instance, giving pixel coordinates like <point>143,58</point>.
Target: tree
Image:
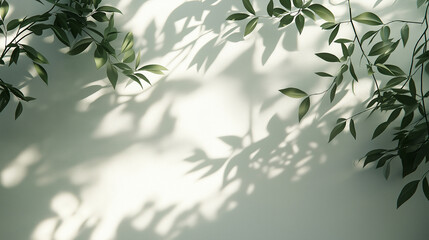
<point>78,24</point>
<point>400,91</point>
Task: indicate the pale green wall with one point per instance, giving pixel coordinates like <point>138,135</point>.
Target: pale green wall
<point>87,162</point>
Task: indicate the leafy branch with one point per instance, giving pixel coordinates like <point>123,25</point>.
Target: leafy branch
<point>406,103</point>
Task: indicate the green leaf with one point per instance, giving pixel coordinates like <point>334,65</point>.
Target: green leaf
<point>368,18</point>
<point>128,42</point>
<point>425,186</point>
<point>387,171</point>
<point>41,72</point>
<point>34,55</point>
<point>333,34</point>
<point>405,32</point>
<point>286,3</point>
<point>323,74</point>
<point>352,128</point>
<point>380,48</point>
<point>303,108</point>
<point>380,129</point>
<point>337,129</point>
<point>18,110</point>
<point>112,74</point>
<point>4,98</point>
<point>250,26</point>
<point>129,56</point>
<point>299,22</point>
<point>14,56</point>
<point>352,71</point>
<point>395,113</point>
<point>138,60</point>
<point>154,68</point>
<point>298,3</point>
<point>278,11</point>
<point>368,35</point>
<point>394,81</point>
<point>108,9</point>
<point>248,6</point>
<point>293,92</point>
<point>385,33</point>
<point>100,56</point>
<point>407,192</point>
<point>286,20</point>
<point>143,77</point>
<point>13,24</point>
<point>333,92</point>
<point>237,16</point>
<point>322,12</point>
<point>270,8</point>
<point>80,46</point>
<point>4,8</point>
<point>407,100</point>
<point>61,35</point>
<point>328,57</point>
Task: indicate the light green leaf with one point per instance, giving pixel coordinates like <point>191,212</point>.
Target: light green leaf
<point>237,16</point>
<point>250,26</point>
<point>299,22</point>
<point>385,33</point>
<point>128,42</point>
<point>328,57</point>
<point>100,56</point>
<point>337,130</point>
<point>18,110</point>
<point>407,192</point>
<point>129,56</point>
<point>303,108</point>
<point>293,92</point>
<point>41,72</point>
<point>112,74</point>
<point>4,8</point>
<point>309,14</point>
<point>322,12</point>
<point>248,6</point>
<point>405,32</point>
<point>368,18</point>
<point>154,68</point>
<point>138,60</point>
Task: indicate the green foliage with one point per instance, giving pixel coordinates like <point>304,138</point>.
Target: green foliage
<point>403,97</point>
<point>79,25</point>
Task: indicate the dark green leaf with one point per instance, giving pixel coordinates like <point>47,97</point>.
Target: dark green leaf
<point>248,6</point>
<point>333,92</point>
<point>322,12</point>
<point>323,74</point>
<point>278,11</point>
<point>303,108</point>
<point>270,8</point>
<point>407,120</point>
<point>299,22</point>
<point>286,3</point>
<point>13,24</point>
<point>34,55</point>
<point>250,26</point>
<point>337,129</point>
<point>112,74</point>
<point>407,192</point>
<point>108,9</point>
<point>407,100</point>
<point>293,92</point>
<point>394,81</point>
<point>18,110</point>
<point>143,77</point>
<point>352,128</point>
<point>328,57</point>
<point>237,16</point>
<point>4,98</point>
<point>425,186</point>
<point>333,34</point>
<point>286,20</point>
<point>412,87</point>
<point>368,18</point>
<point>61,35</point>
<point>14,56</point>
<point>395,113</point>
<point>380,129</point>
<point>80,46</point>
<point>298,3</point>
<point>380,48</point>
<point>367,35</point>
<point>387,171</point>
<point>41,72</point>
<point>352,71</point>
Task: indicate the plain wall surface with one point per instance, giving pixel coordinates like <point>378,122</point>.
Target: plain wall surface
<point>212,150</point>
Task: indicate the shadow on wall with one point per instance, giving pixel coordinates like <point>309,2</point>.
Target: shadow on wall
<point>194,157</point>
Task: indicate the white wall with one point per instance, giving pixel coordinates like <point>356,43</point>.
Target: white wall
<point>211,151</point>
